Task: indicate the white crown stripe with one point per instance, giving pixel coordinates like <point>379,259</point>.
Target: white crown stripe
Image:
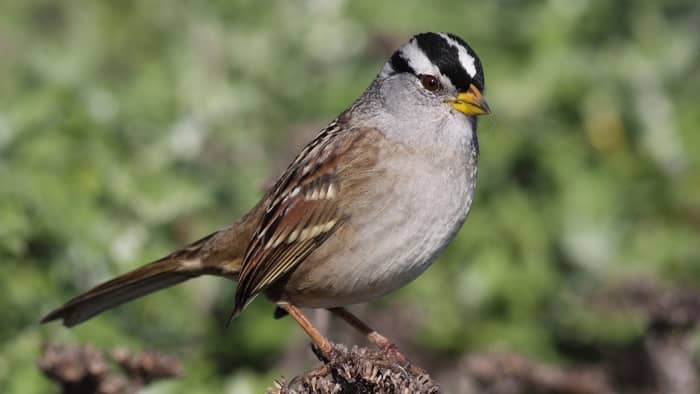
<point>421,63</point>
<point>418,60</point>
<point>412,57</point>
<point>468,61</point>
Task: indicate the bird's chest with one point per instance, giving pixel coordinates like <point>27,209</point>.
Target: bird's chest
<point>426,208</point>
<point>417,206</point>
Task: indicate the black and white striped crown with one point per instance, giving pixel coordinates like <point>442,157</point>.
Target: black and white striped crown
<point>438,54</point>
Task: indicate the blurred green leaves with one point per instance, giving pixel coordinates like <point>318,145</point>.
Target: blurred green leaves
<point>129,128</point>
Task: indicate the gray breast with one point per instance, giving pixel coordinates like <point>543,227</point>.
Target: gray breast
<point>415,213</point>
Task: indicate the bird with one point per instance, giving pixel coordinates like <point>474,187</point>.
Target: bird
<point>364,208</point>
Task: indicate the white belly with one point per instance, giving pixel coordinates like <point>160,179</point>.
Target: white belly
<point>410,226</point>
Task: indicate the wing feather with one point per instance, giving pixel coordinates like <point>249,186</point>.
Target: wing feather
<point>304,208</point>
<point>301,212</point>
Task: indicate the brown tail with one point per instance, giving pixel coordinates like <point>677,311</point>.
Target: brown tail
<point>170,270</point>
<point>139,282</point>
<point>219,253</point>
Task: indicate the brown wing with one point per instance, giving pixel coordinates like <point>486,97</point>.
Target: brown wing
<point>301,212</point>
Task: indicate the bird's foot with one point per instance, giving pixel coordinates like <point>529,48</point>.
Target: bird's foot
<point>393,351</point>
<point>388,348</point>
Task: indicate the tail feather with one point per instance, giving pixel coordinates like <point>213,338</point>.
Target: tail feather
<point>219,253</point>
<point>139,282</point>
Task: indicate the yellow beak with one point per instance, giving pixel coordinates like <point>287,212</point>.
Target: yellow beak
<point>471,102</point>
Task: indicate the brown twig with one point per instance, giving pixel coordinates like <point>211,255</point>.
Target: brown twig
<point>672,317</point>
<point>511,373</point>
<point>359,370</point>
<point>83,369</point>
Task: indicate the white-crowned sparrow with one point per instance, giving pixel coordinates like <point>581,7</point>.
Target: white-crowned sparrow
<point>362,210</point>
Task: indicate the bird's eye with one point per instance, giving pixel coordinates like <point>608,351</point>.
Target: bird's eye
<point>430,82</point>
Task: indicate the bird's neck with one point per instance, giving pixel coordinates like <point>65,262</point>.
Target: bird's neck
<point>449,131</point>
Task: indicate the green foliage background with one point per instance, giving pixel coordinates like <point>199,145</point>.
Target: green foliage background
<point>128,128</point>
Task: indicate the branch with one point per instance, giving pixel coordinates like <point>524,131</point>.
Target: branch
<point>83,369</point>
<point>511,373</point>
<point>359,370</point>
<point>672,318</point>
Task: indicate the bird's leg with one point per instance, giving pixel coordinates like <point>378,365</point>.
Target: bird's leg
<point>323,345</point>
<point>372,335</point>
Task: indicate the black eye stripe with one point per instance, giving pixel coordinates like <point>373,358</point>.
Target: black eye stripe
<point>399,64</point>
<point>442,50</point>
<point>445,57</point>
<point>478,78</point>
